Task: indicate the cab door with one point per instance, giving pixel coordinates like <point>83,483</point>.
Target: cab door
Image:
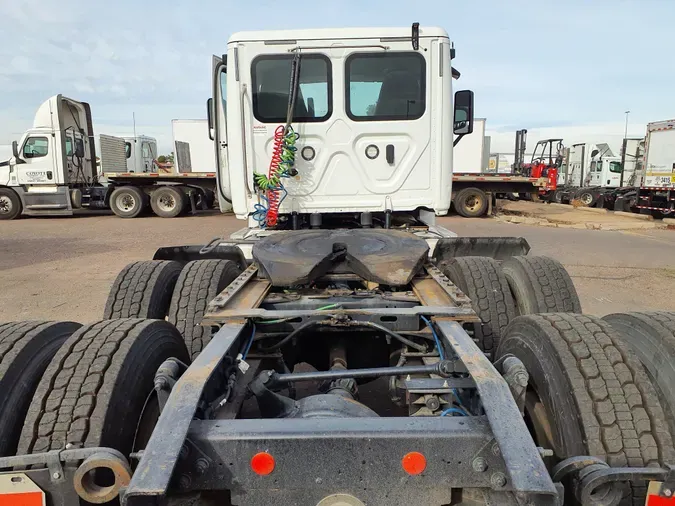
<point>38,154</point>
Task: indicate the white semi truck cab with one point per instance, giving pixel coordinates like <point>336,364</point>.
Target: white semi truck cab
<point>365,114</point>
<point>605,171</point>
<point>141,153</point>
<point>52,161</point>
<point>54,170</point>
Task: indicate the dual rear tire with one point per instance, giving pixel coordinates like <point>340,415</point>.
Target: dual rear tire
<point>165,201</point>
<point>588,394</point>
<point>172,290</point>
<point>518,286</point>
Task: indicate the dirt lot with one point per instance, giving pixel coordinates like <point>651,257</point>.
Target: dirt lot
<point>62,268</point>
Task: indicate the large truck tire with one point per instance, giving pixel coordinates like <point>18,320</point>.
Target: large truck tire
<point>651,335</point>
<point>540,285</point>
<point>10,204</point>
<point>198,283</point>
<point>471,202</point>
<point>168,201</point>
<point>26,348</point>
<point>97,388</point>
<point>128,201</point>
<point>587,197</point>
<point>588,394</point>
<point>143,290</point>
<point>481,279</point>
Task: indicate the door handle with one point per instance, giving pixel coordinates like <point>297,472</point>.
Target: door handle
<point>390,154</point>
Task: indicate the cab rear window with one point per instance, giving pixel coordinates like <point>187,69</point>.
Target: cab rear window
<point>271,77</point>
<point>385,86</point>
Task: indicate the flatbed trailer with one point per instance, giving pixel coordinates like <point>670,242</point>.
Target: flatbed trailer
<point>473,194</point>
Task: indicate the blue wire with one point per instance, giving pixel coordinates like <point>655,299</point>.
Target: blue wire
<point>438,342</point>
<point>248,346</point>
<point>459,411</point>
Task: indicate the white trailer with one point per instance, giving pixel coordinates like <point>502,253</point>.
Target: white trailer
<point>657,194</point>
<point>53,171</point>
<point>468,156</point>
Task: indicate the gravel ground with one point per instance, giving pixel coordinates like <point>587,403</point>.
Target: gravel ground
<point>62,268</point>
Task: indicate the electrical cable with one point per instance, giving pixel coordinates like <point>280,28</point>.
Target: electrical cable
<point>290,336</point>
<point>459,411</point>
<point>441,354</point>
<point>249,344</point>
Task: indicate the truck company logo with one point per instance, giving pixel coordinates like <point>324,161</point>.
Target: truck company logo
<point>38,175</point>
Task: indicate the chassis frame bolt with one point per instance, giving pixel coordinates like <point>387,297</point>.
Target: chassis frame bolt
<point>498,480</point>
<point>479,465</point>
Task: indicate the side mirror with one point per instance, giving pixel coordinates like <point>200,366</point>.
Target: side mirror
<point>209,117</point>
<point>463,121</point>
<point>15,150</point>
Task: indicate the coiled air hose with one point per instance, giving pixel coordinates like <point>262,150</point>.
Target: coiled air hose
<point>283,159</point>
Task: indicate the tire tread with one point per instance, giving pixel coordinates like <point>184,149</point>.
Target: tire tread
<point>550,286</point>
<point>484,283</point>
<point>142,290</point>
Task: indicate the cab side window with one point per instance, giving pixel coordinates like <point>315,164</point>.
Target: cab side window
<point>36,147</point>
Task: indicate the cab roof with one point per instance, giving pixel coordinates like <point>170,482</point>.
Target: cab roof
<point>336,34</point>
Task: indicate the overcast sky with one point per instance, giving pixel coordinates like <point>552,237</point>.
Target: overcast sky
<point>560,68</point>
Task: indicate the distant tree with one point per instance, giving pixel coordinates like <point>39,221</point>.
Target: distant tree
<point>370,110</point>
<point>161,159</point>
<point>170,157</point>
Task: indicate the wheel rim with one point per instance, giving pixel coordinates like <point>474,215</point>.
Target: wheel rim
<point>473,203</point>
<point>125,202</point>
<point>5,205</point>
<point>166,202</point>
<point>586,198</point>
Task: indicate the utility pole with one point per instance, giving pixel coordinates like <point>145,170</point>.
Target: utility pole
<point>625,146</point>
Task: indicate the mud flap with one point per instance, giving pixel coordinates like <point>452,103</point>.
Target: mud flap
<point>499,248</point>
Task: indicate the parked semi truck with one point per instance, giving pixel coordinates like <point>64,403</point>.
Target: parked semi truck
<point>641,180</point>
<point>416,383</point>
<point>53,171</point>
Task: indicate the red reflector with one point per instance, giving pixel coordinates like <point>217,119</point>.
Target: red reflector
<point>262,463</point>
<point>17,489</point>
<point>414,463</point>
<point>653,498</point>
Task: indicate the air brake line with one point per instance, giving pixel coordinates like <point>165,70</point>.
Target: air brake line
<point>283,159</point>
